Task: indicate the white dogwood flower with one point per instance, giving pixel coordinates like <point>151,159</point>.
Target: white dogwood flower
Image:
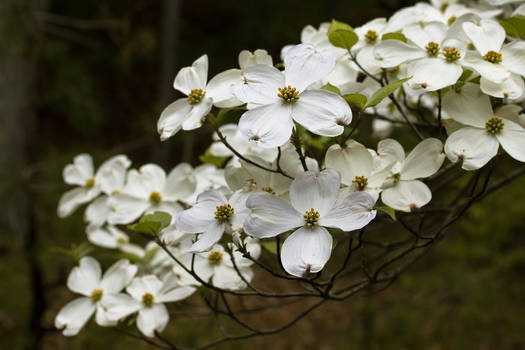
<point>275,99</point>
<point>405,192</point>
<point>484,131</point>
<point>313,207</point>
<point>87,279</point>
<point>147,295</point>
<point>90,184</point>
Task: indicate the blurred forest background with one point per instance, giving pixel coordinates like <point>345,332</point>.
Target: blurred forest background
<point>92,76</point>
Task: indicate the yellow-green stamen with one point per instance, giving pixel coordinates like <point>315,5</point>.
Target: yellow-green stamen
<point>371,36</point>
<point>288,94</point>
<point>89,183</point>
<point>268,189</point>
<point>215,258</point>
<point>492,57</point>
<point>155,197</point>
<point>147,299</point>
<point>432,49</point>
<point>196,96</point>
<point>494,125</point>
<point>451,54</point>
<point>223,212</point>
<point>311,217</point>
<point>96,295</point>
<point>360,182</point>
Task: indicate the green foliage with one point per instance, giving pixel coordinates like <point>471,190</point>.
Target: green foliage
<point>356,100</point>
<point>330,87</point>
<point>152,223</point>
<point>209,158</point>
<point>514,26</point>
<point>76,252</point>
<point>342,35</point>
<point>380,94</point>
<point>387,210</point>
<point>394,36</point>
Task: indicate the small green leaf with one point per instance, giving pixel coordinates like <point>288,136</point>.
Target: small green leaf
<point>356,100</point>
<point>209,158</point>
<point>330,87</point>
<point>380,94</point>
<point>152,223</point>
<point>342,35</point>
<point>391,212</point>
<point>270,246</point>
<point>514,26</point>
<point>395,36</point>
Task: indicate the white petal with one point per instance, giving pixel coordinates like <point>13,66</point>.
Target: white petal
<point>125,209</point>
<point>153,319</point>
<point>472,145</point>
<point>469,106</point>
<point>211,235</point>
<point>175,294</point>
<point>511,88</point>
<point>194,77</point>
<point>259,56</point>
<point>352,213</point>
<point>390,151</point>
<point>306,64</point>
<point>118,276</point>
<point>180,183</point>
<point>406,195</point>
<point>261,85</point>
<point>351,161</point>
<point>74,198</point>
<point>196,116</point>
<point>220,90</point>
<point>102,237</point>
<point>316,190</point>
<point>391,53</point>
<point>424,160</point>
<point>422,35</point>
<point>306,251</point>
<point>101,317</point>
<point>80,171</point>
<point>197,218</point>
<point>486,36</point>
<point>270,125</point>
<point>172,117</point>
<point>512,139</point>
<point>270,216</point>
<point>120,305</point>
<point>72,317</point>
<point>97,212</point>
<point>111,175</point>
<point>322,112</point>
<point>495,72</point>
<point>431,74</point>
<point>142,285</point>
<point>227,277</point>
<point>513,58</point>
<point>84,278</point>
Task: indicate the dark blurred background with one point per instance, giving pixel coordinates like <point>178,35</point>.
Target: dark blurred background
<point>93,76</point>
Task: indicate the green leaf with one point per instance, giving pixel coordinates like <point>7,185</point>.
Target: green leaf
<point>391,212</point>
<point>152,223</point>
<point>330,87</point>
<point>270,246</point>
<point>356,100</point>
<point>209,158</point>
<point>395,36</point>
<point>342,35</point>
<point>514,26</point>
<point>380,94</point>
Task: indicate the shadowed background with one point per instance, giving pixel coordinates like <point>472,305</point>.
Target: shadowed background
<point>93,76</point>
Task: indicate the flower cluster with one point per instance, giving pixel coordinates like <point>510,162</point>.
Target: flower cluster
<point>447,72</point>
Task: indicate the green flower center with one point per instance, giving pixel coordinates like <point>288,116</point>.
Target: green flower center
<point>96,294</point>
<point>122,240</point>
<point>196,96</point>
<point>451,54</point>
<point>268,189</point>
<point>371,36</point>
<point>396,177</point>
<point>215,258</point>
<point>444,6</point>
<point>451,20</point>
<point>147,299</point>
<point>155,197</point>
<point>311,217</point>
<point>492,57</point>
<point>89,183</point>
<point>288,94</point>
<point>494,125</point>
<point>432,49</point>
<point>223,212</point>
<point>360,182</point>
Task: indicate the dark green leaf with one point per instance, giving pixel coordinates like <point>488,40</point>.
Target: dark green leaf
<point>395,36</point>
<point>330,87</point>
<point>152,223</point>
<point>342,35</point>
<point>514,26</point>
<point>380,94</point>
<point>391,212</point>
<point>356,100</point>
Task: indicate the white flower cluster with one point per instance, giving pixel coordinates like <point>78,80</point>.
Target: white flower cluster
<point>453,60</point>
